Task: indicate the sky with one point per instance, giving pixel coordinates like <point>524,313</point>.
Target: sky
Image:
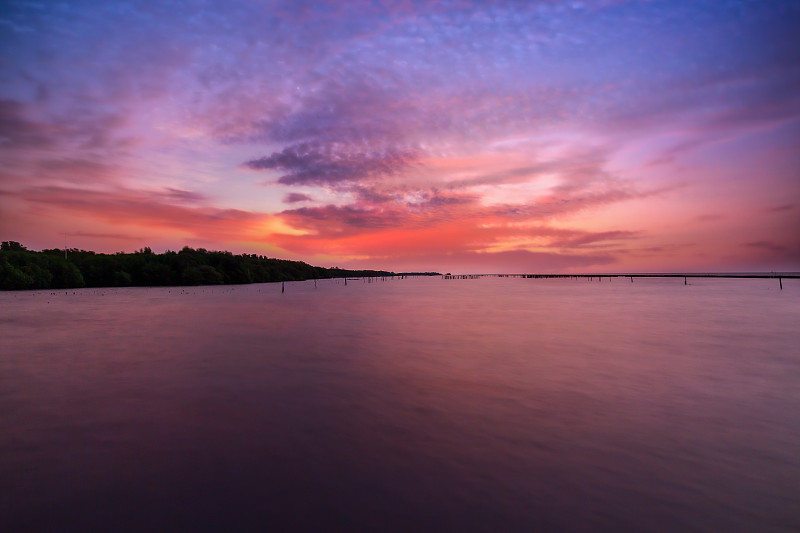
<point>453,135</point>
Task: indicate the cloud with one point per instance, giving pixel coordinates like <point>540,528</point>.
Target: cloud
<point>588,239</point>
<point>426,227</point>
<point>346,109</point>
<point>312,164</point>
<point>711,217</point>
<point>91,129</point>
<point>780,208</point>
<point>772,255</point>
<point>385,209</point>
<point>152,209</point>
<point>332,218</point>
<point>296,197</point>
<point>514,175</point>
<point>113,236</point>
<point>180,195</point>
<point>555,205</point>
<point>524,261</point>
<point>515,261</point>
<point>766,245</point>
<point>17,130</point>
<point>86,171</point>
<point>75,169</point>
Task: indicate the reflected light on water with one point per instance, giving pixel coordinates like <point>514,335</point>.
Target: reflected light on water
<point>484,405</point>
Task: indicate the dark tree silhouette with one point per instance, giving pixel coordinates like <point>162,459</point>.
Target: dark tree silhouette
<point>21,268</point>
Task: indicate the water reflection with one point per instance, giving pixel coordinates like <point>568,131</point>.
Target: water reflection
<point>492,404</point>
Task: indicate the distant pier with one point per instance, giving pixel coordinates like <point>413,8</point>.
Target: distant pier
<point>784,275</point>
<point>780,276</point>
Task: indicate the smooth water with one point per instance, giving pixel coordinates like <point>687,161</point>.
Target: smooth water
<point>496,404</point>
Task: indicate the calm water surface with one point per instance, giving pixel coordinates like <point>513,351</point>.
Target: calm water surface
<point>498,404</point>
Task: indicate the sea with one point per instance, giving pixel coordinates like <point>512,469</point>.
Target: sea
<point>416,404</point>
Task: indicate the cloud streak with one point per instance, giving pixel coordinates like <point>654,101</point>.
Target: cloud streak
<point>307,164</point>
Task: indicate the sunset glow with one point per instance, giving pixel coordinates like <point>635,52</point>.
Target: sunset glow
<point>542,136</point>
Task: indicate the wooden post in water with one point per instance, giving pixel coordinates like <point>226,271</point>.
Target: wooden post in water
<point>684,280</point>
<point>315,284</point>
<point>780,281</point>
<point>283,287</point>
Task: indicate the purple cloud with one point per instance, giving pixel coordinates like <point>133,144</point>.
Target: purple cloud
<point>710,217</point>
<point>114,236</point>
<point>312,164</point>
<point>17,130</point>
<point>181,196</point>
<point>591,239</point>
<point>336,219</point>
<point>296,197</point>
<point>766,245</point>
<point>780,208</point>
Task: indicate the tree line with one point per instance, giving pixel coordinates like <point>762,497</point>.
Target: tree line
<point>21,268</point>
